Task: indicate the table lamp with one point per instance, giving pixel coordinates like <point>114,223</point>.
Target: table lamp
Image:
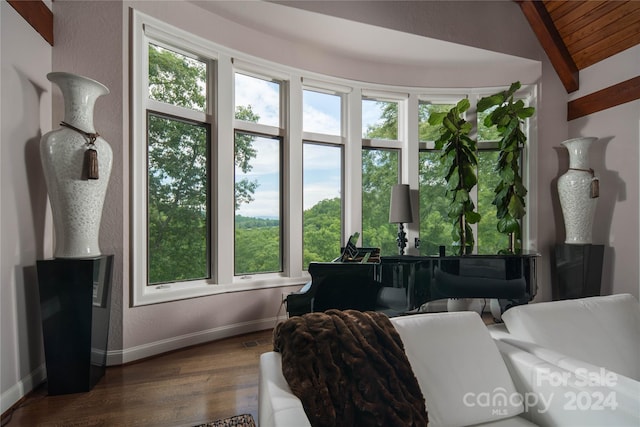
<point>400,212</point>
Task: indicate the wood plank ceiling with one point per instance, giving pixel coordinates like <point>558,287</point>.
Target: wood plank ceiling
<point>595,30</point>
<point>576,34</point>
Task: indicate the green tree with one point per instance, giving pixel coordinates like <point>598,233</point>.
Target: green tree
<point>244,153</point>
<point>322,231</point>
<point>178,171</point>
<point>434,228</point>
<point>256,240</point>
<point>380,172</point>
<point>177,182</point>
<point>388,129</point>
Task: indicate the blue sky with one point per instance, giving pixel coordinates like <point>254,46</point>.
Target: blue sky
<point>322,164</point>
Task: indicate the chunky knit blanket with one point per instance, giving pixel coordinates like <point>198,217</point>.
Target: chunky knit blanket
<point>349,368</point>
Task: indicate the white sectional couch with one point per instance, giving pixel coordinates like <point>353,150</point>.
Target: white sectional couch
<point>602,331</point>
<point>596,340</point>
<point>465,376</point>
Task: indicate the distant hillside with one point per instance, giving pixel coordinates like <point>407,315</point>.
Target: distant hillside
<point>250,222</point>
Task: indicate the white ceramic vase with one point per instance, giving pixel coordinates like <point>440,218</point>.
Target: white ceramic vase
<point>76,201</point>
<point>575,191</point>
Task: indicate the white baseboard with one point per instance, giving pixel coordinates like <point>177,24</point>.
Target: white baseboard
<point>22,387</point>
<point>119,357</point>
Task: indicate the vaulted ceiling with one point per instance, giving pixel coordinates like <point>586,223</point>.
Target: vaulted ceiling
<point>595,30</point>
<point>577,34</point>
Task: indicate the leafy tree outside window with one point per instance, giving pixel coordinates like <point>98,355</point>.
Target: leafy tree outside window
<point>178,171</point>
<point>380,172</point>
<point>258,174</point>
<point>322,175</point>
<point>435,230</point>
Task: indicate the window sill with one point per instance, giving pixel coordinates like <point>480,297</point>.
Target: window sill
<point>168,292</point>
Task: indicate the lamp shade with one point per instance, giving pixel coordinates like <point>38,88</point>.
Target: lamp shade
<point>400,208</point>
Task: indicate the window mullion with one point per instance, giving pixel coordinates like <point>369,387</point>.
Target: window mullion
<point>224,159</point>
<point>410,165</point>
<point>293,181</point>
<point>353,165</point>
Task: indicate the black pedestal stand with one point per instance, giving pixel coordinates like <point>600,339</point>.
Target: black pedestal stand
<point>75,304</point>
<point>577,271</point>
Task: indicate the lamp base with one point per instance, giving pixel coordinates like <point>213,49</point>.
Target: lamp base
<point>402,239</point>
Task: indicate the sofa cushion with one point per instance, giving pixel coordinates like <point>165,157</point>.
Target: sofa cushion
<point>277,405</point>
<point>603,331</point>
<point>458,368</point>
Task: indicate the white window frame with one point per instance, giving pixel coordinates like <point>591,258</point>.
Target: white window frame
<point>328,140</point>
<point>221,118</point>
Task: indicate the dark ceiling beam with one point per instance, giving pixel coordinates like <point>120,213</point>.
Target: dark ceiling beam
<point>626,91</point>
<point>37,14</point>
<point>551,42</point>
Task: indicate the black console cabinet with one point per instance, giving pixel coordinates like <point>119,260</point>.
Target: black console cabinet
<point>75,304</point>
<point>577,271</point>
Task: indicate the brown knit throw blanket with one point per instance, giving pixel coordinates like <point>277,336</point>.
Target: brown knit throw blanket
<point>349,368</point>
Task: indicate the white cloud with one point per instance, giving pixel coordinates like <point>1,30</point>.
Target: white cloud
<point>265,205</point>
<point>321,157</point>
<point>316,121</point>
<point>262,95</point>
<point>317,192</point>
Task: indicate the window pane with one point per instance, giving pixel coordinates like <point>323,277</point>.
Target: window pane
<point>261,97</point>
<point>487,133</point>
<point>380,172</point>
<point>489,240</point>
<point>257,205</point>
<point>322,189</point>
<point>427,132</point>
<point>321,113</point>
<point>177,79</point>
<point>435,226</point>
<point>379,119</point>
<point>177,200</point>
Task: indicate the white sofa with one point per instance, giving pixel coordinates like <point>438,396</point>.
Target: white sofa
<point>462,375</point>
<point>596,339</point>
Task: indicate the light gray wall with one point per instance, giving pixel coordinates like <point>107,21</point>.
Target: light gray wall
<point>90,37</point>
<point>615,159</point>
<point>25,227</point>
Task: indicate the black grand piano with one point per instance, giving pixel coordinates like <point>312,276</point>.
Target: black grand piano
<point>399,284</point>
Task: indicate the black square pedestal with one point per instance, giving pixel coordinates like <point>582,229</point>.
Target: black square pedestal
<point>75,304</point>
<point>577,271</point>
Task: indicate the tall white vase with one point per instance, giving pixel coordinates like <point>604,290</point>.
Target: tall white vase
<point>76,201</point>
<point>575,191</point>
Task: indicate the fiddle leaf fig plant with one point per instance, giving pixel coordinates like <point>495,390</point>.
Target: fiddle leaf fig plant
<point>459,154</point>
<point>508,116</point>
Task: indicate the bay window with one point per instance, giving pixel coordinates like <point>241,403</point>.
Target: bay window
<point>245,171</point>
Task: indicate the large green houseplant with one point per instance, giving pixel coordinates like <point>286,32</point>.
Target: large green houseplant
<point>459,155</point>
<point>508,116</point>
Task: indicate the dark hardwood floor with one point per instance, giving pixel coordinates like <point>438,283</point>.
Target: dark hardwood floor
<point>182,388</point>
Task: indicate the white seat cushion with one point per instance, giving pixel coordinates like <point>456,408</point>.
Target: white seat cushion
<point>603,331</point>
<point>458,368</point>
<point>278,406</point>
